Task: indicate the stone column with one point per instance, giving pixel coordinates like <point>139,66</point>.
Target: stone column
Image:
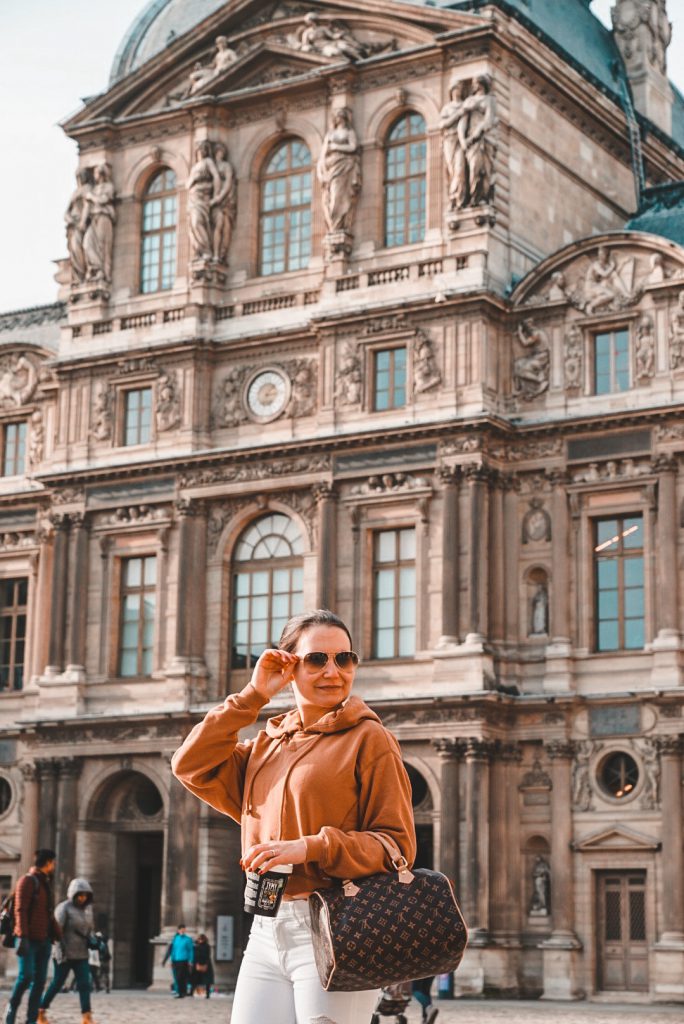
<point>69,769</point>
<point>667,575</point>
<point>511,595</point>
<point>190,600</point>
<point>31,811</point>
<point>450,751</point>
<point>671,748</point>
<point>560,583</point>
<point>450,476</point>
<point>560,951</point>
<point>58,594</point>
<point>504,835</point>
<point>478,543</point>
<point>476,890</point>
<point>326,572</point>
<point>47,802</point>
<point>179,899</point>
<point>497,578</point>
<point>79,595</point>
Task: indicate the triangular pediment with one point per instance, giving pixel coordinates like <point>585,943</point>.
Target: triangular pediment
<point>341,33</point>
<point>616,838</point>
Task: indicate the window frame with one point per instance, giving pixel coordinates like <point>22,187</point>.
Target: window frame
<point>611,331</point>
<point>374,533</point>
<point>122,406</point>
<point>6,425</point>
<point>390,145</point>
<point>17,611</point>
<point>263,215</point>
<point>121,592</point>
<point>373,354</point>
<point>146,197</point>
<point>621,558</point>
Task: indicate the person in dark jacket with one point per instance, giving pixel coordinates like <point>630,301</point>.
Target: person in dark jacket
<point>203,973</point>
<point>181,950</point>
<point>75,917</point>
<point>35,928</point>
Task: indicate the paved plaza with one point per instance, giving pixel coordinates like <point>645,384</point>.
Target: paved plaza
<point>141,1008</point>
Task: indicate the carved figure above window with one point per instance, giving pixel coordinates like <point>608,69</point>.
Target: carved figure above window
<point>536,524</point>
<point>18,381</point>
<point>608,286</point>
<point>573,358</point>
<point>334,39</point>
<point>168,410</point>
<point>644,350</point>
<point>425,373</point>
<point>531,372</point>
<point>349,377</point>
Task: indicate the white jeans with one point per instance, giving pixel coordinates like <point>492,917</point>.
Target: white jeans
<point>278,982</point>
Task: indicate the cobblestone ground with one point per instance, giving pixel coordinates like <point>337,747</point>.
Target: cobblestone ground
<point>141,1008</point>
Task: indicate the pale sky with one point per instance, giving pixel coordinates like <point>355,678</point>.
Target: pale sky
<point>52,53</point>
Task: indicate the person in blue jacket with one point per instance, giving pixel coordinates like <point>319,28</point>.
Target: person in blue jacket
<point>181,950</point>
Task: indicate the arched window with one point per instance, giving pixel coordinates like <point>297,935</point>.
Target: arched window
<point>267,585</point>
<point>405,183</point>
<point>159,212</point>
<point>286,209</point>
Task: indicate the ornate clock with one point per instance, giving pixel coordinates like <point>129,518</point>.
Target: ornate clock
<point>267,393</point>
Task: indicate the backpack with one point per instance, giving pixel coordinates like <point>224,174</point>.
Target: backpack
<point>7,915</point>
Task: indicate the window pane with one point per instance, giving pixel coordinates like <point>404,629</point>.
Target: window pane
<point>608,636</point>
<point>384,643</point>
<point>607,573</point>
<point>633,532</point>
<point>384,584</point>
<point>634,572</point>
<point>634,634</point>
<point>386,546</point>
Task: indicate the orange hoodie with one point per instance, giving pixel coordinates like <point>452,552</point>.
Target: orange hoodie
<point>331,783</point>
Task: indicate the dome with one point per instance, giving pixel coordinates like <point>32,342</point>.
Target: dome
<point>157,26</point>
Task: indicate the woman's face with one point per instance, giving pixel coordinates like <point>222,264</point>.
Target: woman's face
<point>322,687</point>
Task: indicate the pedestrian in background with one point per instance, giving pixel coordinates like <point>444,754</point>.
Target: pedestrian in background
<point>181,950</point>
<point>35,929</point>
<point>203,973</point>
<point>75,918</point>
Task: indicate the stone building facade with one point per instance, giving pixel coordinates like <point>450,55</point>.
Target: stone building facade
<point>357,313</point>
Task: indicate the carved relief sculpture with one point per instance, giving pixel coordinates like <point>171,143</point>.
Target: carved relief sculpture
<point>18,381</point>
<point>98,239</point>
<point>531,372</point>
<point>339,172</point>
<point>607,286</point>
<point>582,793</point>
<point>333,39</point>
<point>36,439</point>
<point>651,793</point>
<point>101,429</point>
<point>573,358</point>
<point>75,219</point>
<point>541,889</point>
<point>168,408</point>
<point>536,524</point>
<point>643,32</point>
<point>349,378</point>
<point>201,74</point>
<point>677,333</point>
<point>644,350</point>
<point>231,411</point>
<point>425,372</point>
<point>303,394</point>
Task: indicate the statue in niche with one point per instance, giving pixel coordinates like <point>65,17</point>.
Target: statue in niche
<point>604,287</point>
<point>349,378</point>
<point>168,410</point>
<point>573,357</point>
<point>98,239</point>
<point>223,205</point>
<point>203,184</point>
<point>531,372</point>
<point>539,625</point>
<point>453,123</point>
<point>425,372</point>
<point>333,39</point>
<point>541,889</point>
<point>201,74</point>
<point>644,350</point>
<point>75,218</point>
<point>677,333</point>
<point>339,172</point>
<point>101,429</point>
<point>18,381</point>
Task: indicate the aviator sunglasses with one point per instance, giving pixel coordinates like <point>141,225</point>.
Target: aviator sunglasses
<point>319,659</point>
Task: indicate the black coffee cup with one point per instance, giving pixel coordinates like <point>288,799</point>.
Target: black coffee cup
<point>264,893</point>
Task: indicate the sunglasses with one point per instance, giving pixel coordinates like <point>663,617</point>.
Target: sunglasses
<point>343,659</point>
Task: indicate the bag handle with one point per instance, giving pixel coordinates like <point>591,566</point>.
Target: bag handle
<point>399,863</point>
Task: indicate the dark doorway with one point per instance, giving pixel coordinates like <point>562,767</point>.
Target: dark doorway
<point>137,910</point>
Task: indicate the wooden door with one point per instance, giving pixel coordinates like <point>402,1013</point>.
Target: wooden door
<point>622,938</point>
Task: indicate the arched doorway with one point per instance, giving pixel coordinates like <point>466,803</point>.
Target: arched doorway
<point>421,800</point>
<point>125,845</point>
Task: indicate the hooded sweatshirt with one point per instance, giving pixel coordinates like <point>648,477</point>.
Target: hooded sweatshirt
<point>332,784</point>
<point>75,921</point>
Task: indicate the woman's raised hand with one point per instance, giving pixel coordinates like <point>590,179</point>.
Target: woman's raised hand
<point>273,671</point>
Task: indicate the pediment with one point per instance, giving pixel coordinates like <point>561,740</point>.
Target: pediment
<point>340,33</point>
<point>617,838</point>
<point>602,274</point>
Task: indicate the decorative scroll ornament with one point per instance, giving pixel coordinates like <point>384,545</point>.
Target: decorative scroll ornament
<point>531,372</point>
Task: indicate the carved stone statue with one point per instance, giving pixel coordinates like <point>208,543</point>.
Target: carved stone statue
<point>540,905</point>
<point>168,409</point>
<point>36,439</point>
<point>573,357</point>
<point>540,611</point>
<point>651,793</point>
<point>98,240</point>
<point>453,123</point>
<point>677,333</point>
<point>604,287</point>
<point>644,350</point>
<point>223,205</point>
<point>201,74</point>
<point>231,411</point>
<point>203,184</point>
<point>18,381</point>
<point>479,141</point>
<point>531,372</point>
<point>559,289</point>
<point>76,218</point>
<point>101,429</point>
<point>536,524</point>
<point>643,33</point>
<point>349,378</point>
<point>425,372</point>
<point>656,274</point>
<point>332,39</point>
<point>582,793</point>
<point>339,172</point>
<point>303,394</point>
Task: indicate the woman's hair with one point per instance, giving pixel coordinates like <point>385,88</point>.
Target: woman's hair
<point>298,624</point>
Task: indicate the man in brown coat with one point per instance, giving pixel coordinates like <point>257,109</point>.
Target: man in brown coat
<point>34,928</point>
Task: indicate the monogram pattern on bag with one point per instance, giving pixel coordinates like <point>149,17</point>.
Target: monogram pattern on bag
<point>389,932</point>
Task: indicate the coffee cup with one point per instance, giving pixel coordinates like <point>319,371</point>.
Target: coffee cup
<point>264,893</point>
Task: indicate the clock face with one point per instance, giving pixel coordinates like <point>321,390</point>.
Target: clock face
<point>267,394</point>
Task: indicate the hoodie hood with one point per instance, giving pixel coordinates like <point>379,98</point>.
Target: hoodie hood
<point>77,885</point>
<point>352,711</point>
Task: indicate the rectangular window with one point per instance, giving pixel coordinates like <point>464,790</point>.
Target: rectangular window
<point>13,610</point>
<point>394,593</point>
<point>619,583</point>
<point>138,605</point>
<point>137,416</point>
<point>611,362</point>
<point>14,449</point>
<point>264,600</point>
<point>389,379</point>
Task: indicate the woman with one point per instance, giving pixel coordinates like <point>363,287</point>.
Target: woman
<point>203,971</point>
<point>75,917</point>
<point>98,239</point>
<point>309,790</point>
<point>339,172</point>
